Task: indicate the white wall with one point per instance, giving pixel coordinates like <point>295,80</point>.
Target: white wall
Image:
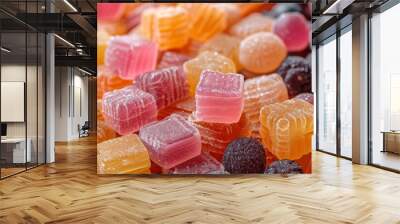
<point>69,82</point>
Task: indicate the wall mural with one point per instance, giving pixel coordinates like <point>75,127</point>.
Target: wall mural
<point>204,88</point>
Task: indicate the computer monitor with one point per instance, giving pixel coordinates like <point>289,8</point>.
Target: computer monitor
<point>3,129</point>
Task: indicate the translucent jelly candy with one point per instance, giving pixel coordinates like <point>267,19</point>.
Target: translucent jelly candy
<point>171,141</point>
<point>110,12</point>
<point>129,57</point>
<point>262,52</point>
<point>225,45</point>
<point>216,136</point>
<point>287,128</point>
<point>206,20</point>
<point>102,42</point>
<point>248,8</point>
<point>170,58</point>
<point>219,97</point>
<point>167,85</point>
<point>147,22</point>
<point>284,167</point>
<point>244,155</point>
<point>294,30</point>
<point>202,164</point>
<point>170,27</point>
<point>183,108</point>
<point>128,109</point>
<point>296,72</point>
<point>254,23</point>
<point>206,60</point>
<point>123,155</point>
<point>100,116</point>
<point>104,132</point>
<point>308,97</point>
<point>259,92</point>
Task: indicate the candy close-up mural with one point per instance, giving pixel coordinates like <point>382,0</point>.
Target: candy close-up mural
<point>196,88</point>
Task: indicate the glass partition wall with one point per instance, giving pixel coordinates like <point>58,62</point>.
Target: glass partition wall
<point>385,89</point>
<point>22,77</point>
<point>334,85</point>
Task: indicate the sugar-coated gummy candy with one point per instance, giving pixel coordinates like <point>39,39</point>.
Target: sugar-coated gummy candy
<point>219,97</point>
<point>284,167</point>
<point>294,30</point>
<point>129,57</point>
<point>107,83</point>
<point>280,9</point>
<point>104,132</point>
<point>128,109</point>
<point>231,10</point>
<point>123,155</point>
<point>202,164</point>
<point>225,45</point>
<point>206,60</point>
<point>262,52</point>
<point>244,155</point>
<point>298,80</point>
<point>216,136</point>
<point>171,141</point>
<point>102,43</point>
<point>206,20</point>
<point>167,85</point>
<point>292,62</point>
<point>253,23</point>
<point>261,91</point>
<point>286,128</point>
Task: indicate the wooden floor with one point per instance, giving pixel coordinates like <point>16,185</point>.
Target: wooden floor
<point>69,191</point>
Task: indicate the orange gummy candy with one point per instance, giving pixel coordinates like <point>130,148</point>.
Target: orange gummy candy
<point>206,20</point>
<point>106,83</point>
<point>123,155</point>
<point>104,132</point>
<point>206,60</point>
<point>102,41</point>
<point>262,52</point>
<point>254,23</point>
<point>286,128</point>
<point>259,92</point>
<point>224,44</point>
<point>216,136</point>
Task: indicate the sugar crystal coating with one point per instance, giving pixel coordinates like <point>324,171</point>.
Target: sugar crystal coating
<point>104,132</point>
<point>129,57</point>
<point>262,52</point>
<point>170,58</point>
<point>128,109</point>
<point>219,98</point>
<point>253,23</point>
<point>206,60</point>
<point>202,164</point>
<point>287,128</point>
<point>308,97</point>
<point>244,155</point>
<point>284,167</point>
<point>167,85</point>
<point>171,141</point>
<point>123,155</point>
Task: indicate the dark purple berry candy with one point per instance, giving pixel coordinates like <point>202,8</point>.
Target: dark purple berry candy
<point>244,155</point>
<point>308,97</point>
<point>284,167</point>
<point>293,62</point>
<point>298,80</point>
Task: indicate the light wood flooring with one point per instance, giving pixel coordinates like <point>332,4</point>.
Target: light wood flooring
<point>69,191</point>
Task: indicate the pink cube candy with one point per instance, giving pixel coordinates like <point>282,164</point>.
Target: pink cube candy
<point>202,164</point>
<point>129,57</point>
<point>171,141</point>
<point>128,109</point>
<point>294,29</point>
<point>171,58</point>
<point>167,85</point>
<point>110,12</point>
<point>219,97</point>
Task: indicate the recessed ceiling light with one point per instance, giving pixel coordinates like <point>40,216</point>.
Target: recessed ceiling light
<point>5,50</point>
<point>70,5</point>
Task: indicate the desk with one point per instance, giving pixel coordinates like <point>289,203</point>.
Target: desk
<point>391,141</point>
<point>13,150</point>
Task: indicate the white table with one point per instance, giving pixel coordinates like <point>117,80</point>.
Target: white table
<point>18,149</point>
